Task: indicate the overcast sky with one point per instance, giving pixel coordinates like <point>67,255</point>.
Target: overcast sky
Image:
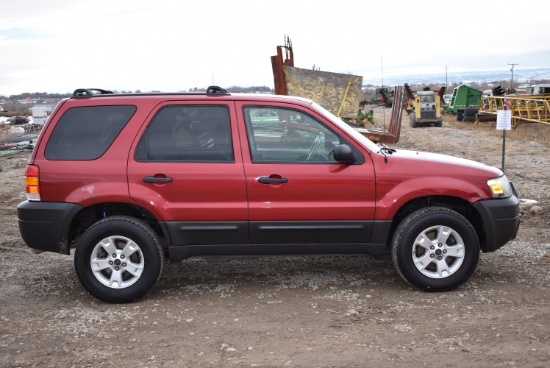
<point>60,45</point>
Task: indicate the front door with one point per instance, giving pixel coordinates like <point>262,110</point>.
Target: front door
<point>297,192</point>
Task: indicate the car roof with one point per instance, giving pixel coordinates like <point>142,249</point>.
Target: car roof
<point>213,92</point>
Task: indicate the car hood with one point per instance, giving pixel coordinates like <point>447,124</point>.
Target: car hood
<point>435,161</point>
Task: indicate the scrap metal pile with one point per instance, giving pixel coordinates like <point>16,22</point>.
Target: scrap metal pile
<point>339,93</point>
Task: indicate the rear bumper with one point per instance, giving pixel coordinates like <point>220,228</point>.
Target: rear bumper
<point>501,219</point>
<point>45,225</point>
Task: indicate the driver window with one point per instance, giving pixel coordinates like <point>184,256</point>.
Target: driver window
<point>278,135</point>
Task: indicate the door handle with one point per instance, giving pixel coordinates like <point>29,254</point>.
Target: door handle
<point>152,179</point>
<point>267,180</point>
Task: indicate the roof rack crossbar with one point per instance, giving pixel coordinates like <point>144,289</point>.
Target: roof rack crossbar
<point>89,92</point>
<point>215,90</point>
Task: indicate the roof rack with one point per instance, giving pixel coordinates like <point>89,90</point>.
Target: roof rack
<point>89,92</point>
<point>215,90</point>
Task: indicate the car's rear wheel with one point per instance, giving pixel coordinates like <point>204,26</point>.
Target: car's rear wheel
<point>435,249</point>
<point>119,259</point>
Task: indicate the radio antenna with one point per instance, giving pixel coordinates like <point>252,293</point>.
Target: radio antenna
<point>384,106</point>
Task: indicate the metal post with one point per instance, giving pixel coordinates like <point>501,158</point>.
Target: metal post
<point>506,107</point>
<point>503,147</point>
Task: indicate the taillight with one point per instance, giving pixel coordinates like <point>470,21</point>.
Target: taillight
<point>32,183</point>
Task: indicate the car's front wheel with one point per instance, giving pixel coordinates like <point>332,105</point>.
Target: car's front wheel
<point>435,249</point>
<point>119,259</point>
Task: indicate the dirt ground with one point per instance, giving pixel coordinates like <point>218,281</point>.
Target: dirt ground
<point>294,312</point>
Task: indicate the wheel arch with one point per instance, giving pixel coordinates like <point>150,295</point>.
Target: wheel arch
<point>459,205</point>
<point>92,214</point>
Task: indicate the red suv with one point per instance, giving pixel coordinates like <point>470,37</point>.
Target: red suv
<point>130,180</point>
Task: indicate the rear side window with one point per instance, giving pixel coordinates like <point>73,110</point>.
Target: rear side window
<point>85,133</point>
<point>188,133</point>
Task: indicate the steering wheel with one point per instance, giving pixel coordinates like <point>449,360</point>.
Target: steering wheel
<point>316,143</point>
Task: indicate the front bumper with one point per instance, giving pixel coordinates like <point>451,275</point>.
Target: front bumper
<point>501,219</point>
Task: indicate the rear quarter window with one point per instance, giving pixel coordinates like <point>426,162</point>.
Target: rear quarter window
<point>85,133</point>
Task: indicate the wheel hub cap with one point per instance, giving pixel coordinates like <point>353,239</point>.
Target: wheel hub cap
<point>117,262</point>
<point>438,252</point>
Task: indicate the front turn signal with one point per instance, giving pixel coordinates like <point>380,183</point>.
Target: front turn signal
<point>500,187</point>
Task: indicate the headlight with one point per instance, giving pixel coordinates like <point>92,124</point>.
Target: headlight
<point>500,187</point>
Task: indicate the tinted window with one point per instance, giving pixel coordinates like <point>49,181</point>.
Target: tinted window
<point>85,133</point>
<point>187,134</point>
<point>285,135</point>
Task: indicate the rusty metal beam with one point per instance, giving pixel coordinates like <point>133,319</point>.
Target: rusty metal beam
<point>390,136</point>
<point>277,63</point>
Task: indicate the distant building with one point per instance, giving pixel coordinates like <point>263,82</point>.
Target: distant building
<point>533,89</point>
<point>40,113</point>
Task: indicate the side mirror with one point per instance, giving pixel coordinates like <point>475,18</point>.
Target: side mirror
<point>344,154</point>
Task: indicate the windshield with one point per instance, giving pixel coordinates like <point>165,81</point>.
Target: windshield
<point>342,124</point>
<point>427,98</point>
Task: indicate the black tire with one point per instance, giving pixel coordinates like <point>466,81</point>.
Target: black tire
<point>439,124</point>
<point>412,120</point>
<point>430,265</point>
<point>128,257</point>
<point>459,114</point>
<point>470,115</point>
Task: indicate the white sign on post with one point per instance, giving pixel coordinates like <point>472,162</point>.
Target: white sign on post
<point>504,120</point>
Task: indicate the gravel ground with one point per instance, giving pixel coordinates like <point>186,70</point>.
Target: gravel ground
<point>293,312</point>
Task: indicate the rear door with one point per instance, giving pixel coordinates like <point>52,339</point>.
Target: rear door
<point>184,167</point>
<point>297,193</point>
